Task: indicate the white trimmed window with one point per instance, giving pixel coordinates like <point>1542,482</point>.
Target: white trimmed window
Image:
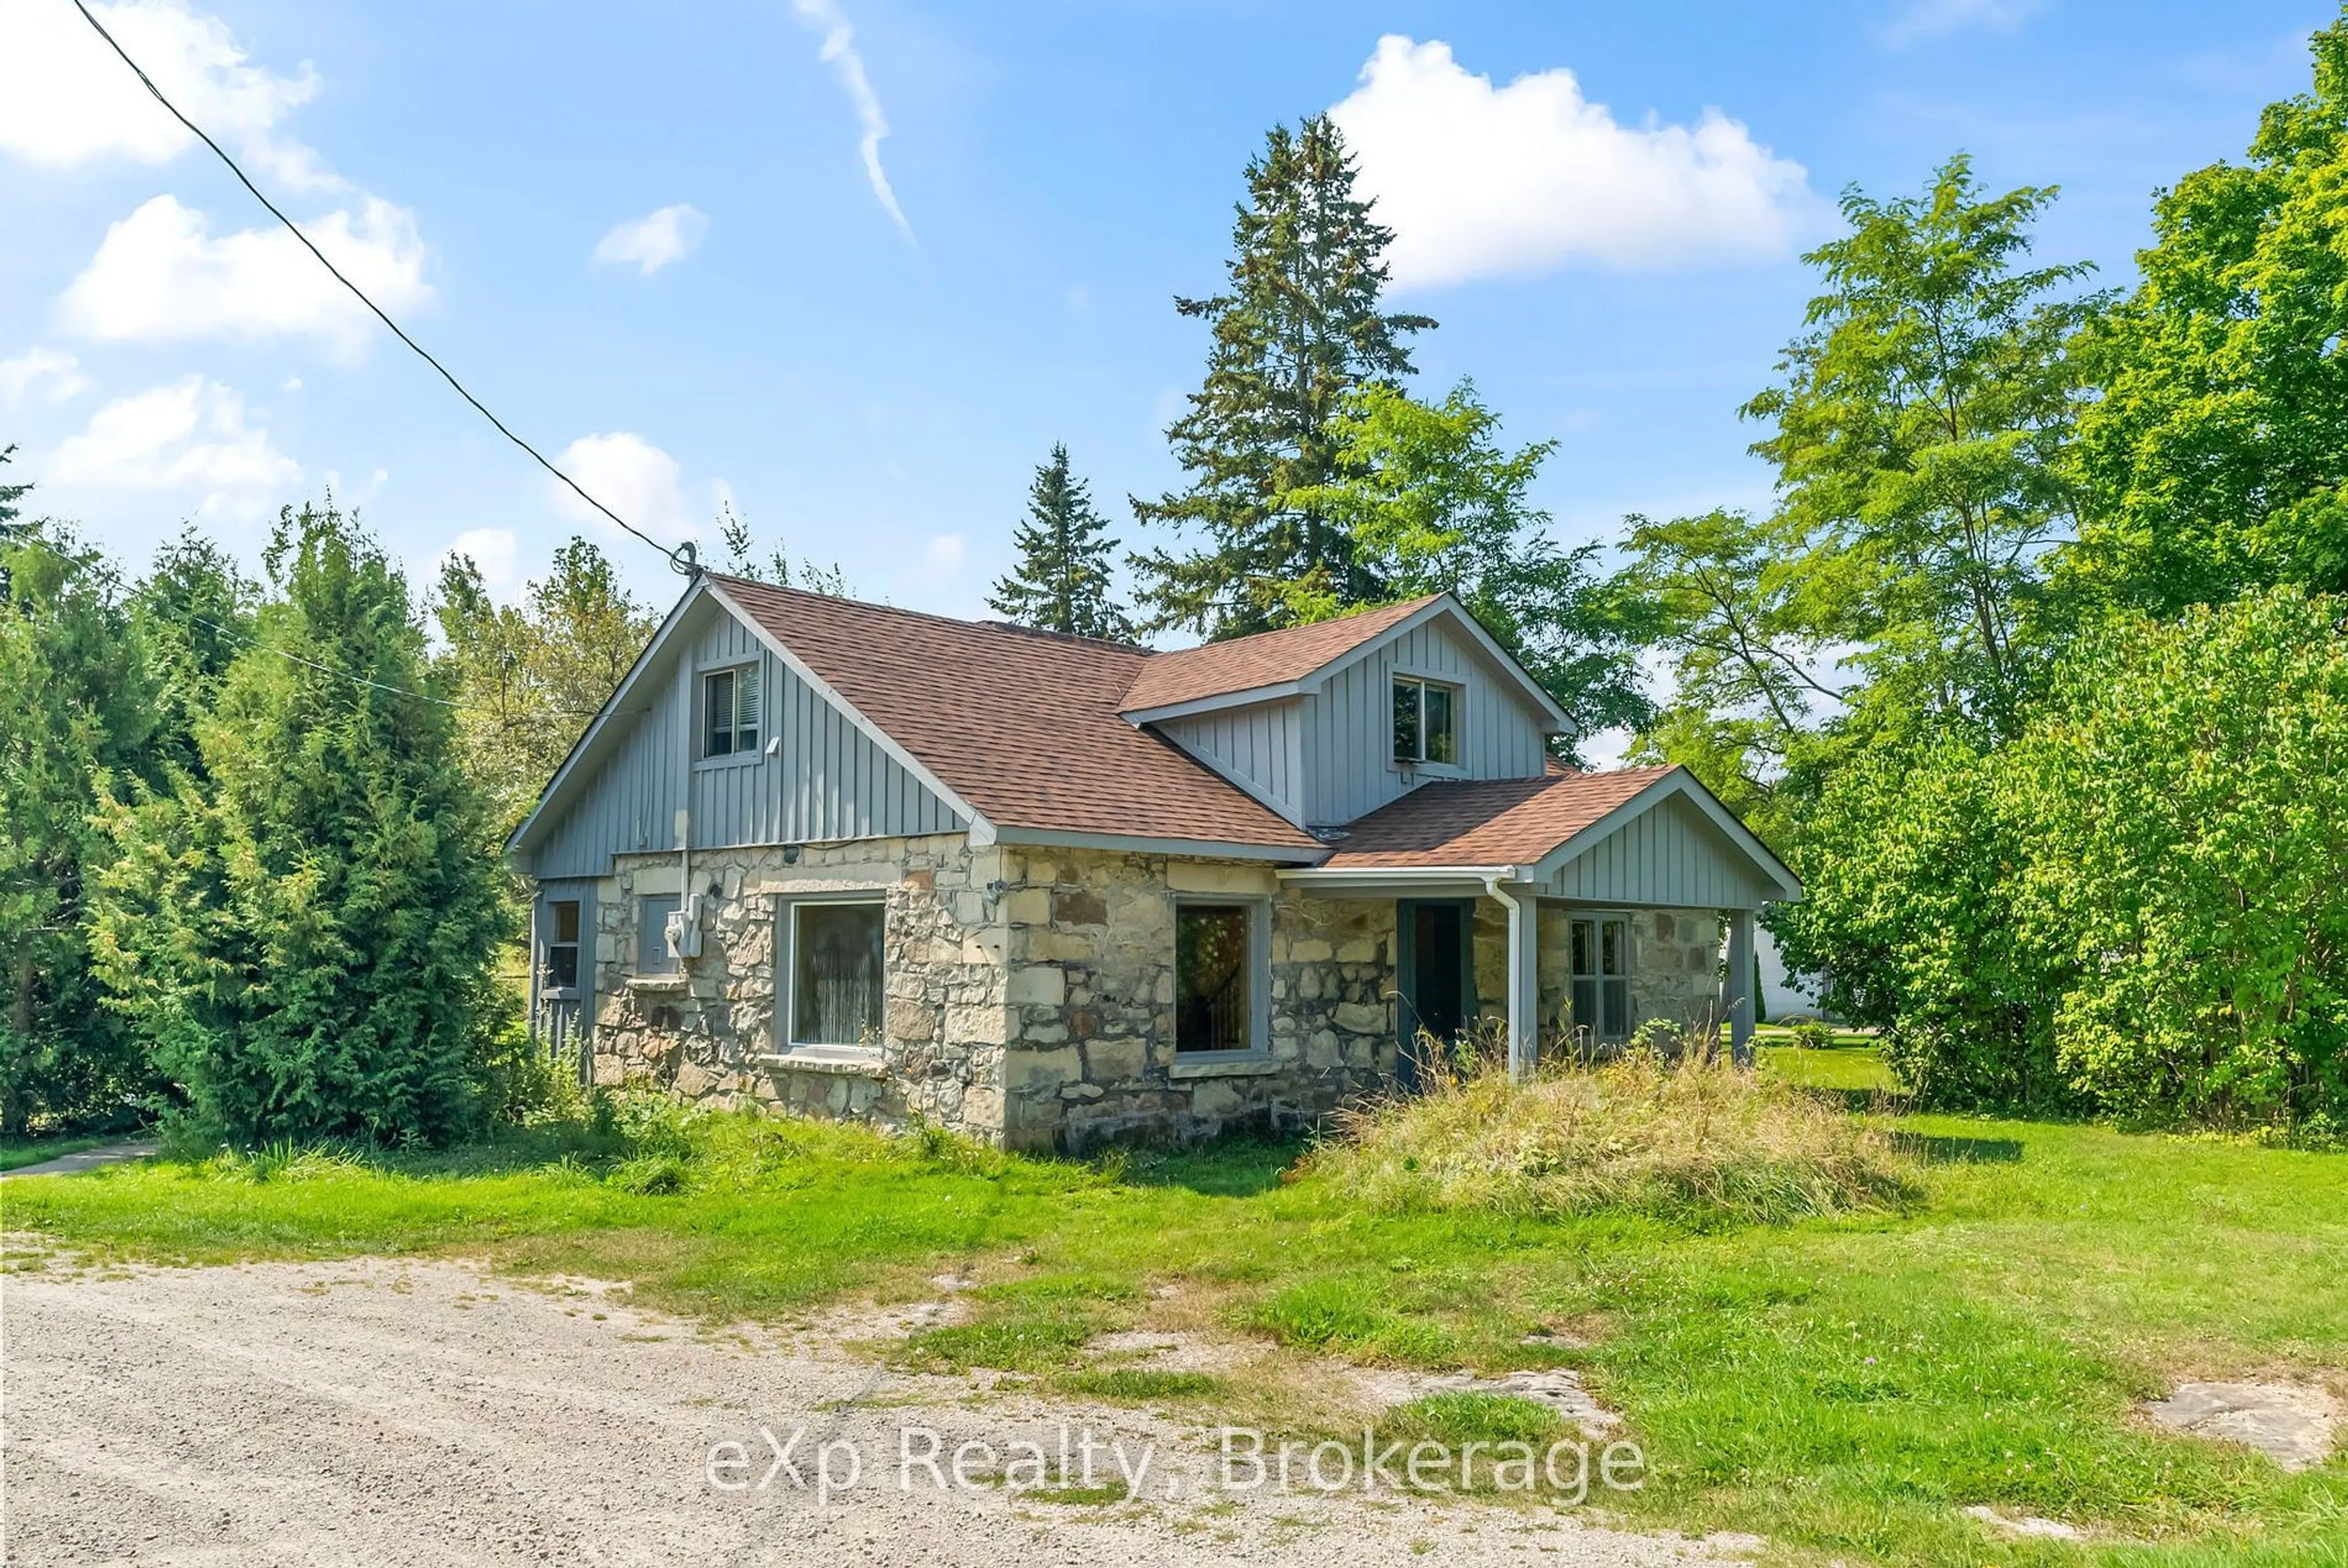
<point>834,964</point>
<point>1602,975</point>
<point>1425,722</point>
<point>729,711</point>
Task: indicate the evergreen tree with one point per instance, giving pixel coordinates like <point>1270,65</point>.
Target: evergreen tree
<point>1061,583</point>
<point>1297,331</point>
<point>78,712</point>
<point>307,931</point>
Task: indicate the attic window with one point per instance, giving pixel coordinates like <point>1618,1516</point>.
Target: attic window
<point>729,711</point>
<point>1425,722</point>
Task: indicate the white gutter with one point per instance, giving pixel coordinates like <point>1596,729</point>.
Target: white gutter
<point>1524,979</point>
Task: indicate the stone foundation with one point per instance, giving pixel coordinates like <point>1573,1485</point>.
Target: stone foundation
<point>1029,993</point>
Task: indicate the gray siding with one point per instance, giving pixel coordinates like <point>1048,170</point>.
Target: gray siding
<point>1260,746</point>
<point>827,780</point>
<point>1668,856</point>
<point>1348,726</point>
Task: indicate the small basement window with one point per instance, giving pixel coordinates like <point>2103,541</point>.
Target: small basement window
<point>729,711</point>
<point>1218,977</point>
<point>652,956</point>
<point>560,967</point>
<point>834,970</point>
<point>1601,976</point>
<point>1425,722</point>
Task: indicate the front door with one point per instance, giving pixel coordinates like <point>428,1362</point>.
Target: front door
<point>1437,979</point>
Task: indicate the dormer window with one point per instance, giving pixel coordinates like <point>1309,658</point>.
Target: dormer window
<point>1425,722</point>
<point>729,711</point>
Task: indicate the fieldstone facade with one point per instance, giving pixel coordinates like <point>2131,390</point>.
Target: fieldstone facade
<point>1029,993</point>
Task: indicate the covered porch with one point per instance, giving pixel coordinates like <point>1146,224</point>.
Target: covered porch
<point>1573,906</point>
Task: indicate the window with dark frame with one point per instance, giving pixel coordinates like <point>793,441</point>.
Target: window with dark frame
<point>836,973</point>
<point>652,956</point>
<point>562,966</point>
<point>1425,722</point>
<point>729,711</point>
<point>1214,977</point>
<point>1602,975</point>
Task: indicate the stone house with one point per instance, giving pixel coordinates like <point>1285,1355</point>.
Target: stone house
<point>863,862</point>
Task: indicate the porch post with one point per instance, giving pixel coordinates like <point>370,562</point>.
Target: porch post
<point>1524,985</point>
<point>1737,993</point>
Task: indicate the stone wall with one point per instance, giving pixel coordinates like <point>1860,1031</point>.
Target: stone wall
<point>1029,993</point>
<point>1675,966</point>
<point>708,1032</point>
<point>1092,1058</point>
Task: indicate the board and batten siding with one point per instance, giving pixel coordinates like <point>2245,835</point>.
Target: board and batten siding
<point>1260,746</point>
<point>1669,856</point>
<point>827,780</point>
<point>1348,726</point>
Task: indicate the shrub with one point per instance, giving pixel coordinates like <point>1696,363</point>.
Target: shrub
<point>1699,1143</point>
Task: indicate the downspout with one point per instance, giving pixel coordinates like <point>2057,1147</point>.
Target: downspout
<point>1522,1044</point>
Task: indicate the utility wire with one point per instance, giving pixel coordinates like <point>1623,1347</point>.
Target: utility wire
<point>681,559</point>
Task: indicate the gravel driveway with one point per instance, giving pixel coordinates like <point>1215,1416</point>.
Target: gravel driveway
<point>381,1412</point>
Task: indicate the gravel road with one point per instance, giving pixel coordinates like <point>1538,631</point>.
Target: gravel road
<point>385,1411</point>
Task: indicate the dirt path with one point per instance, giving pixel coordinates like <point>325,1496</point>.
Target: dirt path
<point>376,1411</point>
<point>88,1159</point>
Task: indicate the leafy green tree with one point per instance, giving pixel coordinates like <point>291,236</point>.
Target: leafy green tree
<point>1062,581</point>
<point>306,930</point>
<point>1752,655</point>
<point>529,677</point>
<point>2217,459</point>
<point>1919,435</point>
<point>742,560</point>
<point>1910,856</point>
<point>1430,502</point>
<point>79,712</point>
<point>1298,329</point>
<point>2184,803</point>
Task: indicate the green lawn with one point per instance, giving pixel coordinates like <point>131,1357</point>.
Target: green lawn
<point>1844,1387</point>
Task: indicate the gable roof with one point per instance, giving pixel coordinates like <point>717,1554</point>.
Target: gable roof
<point>1022,724</point>
<point>1533,825</point>
<point>1266,659</point>
<point>1485,822</point>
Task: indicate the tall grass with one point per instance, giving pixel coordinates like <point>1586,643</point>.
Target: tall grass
<point>1696,1142</point>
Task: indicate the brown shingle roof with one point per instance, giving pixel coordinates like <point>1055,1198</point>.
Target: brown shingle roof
<point>1485,822</point>
<point>1022,724</point>
<point>1266,659</point>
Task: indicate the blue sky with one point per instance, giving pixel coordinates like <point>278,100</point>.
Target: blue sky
<point>650,237</point>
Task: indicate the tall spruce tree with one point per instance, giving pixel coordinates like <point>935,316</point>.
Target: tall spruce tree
<point>307,932</point>
<point>1297,331</point>
<point>1062,582</point>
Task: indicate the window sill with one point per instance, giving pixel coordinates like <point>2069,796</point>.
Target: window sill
<point>842,1061</point>
<point>1430,769</point>
<point>730,760</point>
<point>675,982</point>
<point>1224,1064</point>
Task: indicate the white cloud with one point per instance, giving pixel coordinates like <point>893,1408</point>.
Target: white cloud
<point>651,242</point>
<point>1479,180</point>
<point>1927,19</point>
<point>160,275</point>
<point>634,477</point>
<point>189,433</point>
<point>840,54</point>
<point>57,373</point>
<point>498,553</point>
<point>66,99</point>
<point>943,554</point>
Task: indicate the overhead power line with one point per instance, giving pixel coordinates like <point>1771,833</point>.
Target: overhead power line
<point>681,558</point>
